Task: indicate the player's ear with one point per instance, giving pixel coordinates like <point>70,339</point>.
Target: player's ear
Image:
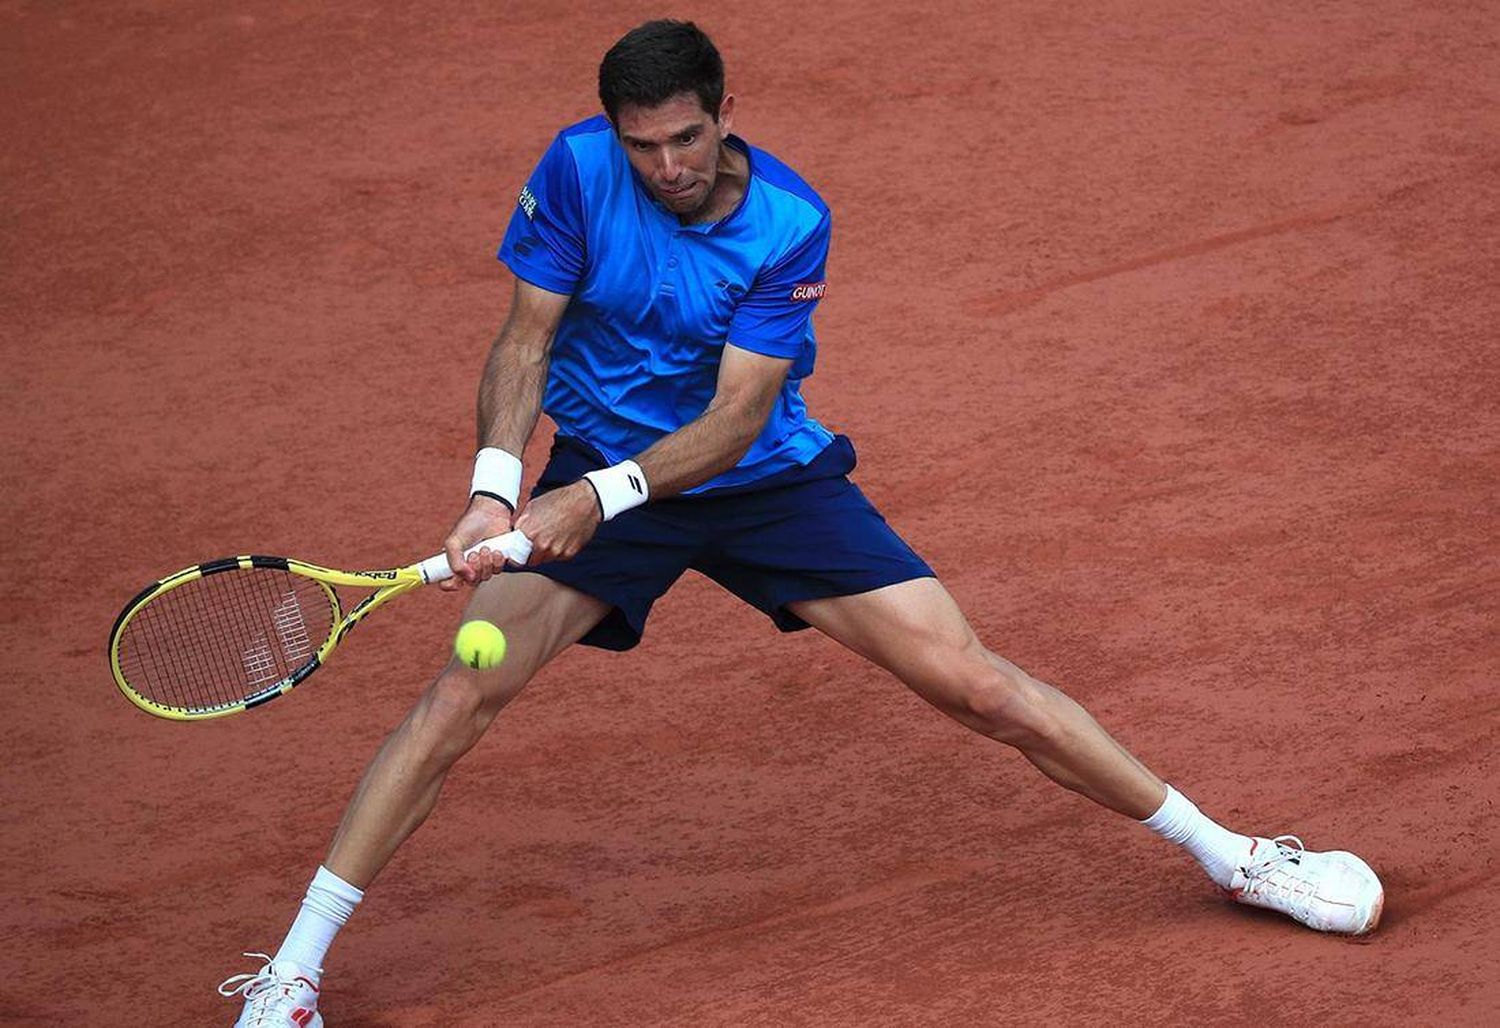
<point>726,114</point>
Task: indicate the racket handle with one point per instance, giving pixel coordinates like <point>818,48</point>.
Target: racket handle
<point>514,545</point>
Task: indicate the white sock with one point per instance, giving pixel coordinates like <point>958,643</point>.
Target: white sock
<point>325,909</point>
<point>1218,849</point>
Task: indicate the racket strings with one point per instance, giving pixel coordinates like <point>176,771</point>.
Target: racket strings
<point>224,638</point>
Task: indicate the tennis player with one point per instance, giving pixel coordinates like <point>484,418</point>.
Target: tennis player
<point>666,276</point>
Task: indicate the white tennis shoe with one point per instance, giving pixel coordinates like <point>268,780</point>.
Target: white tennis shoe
<point>1329,892</point>
<point>280,995</point>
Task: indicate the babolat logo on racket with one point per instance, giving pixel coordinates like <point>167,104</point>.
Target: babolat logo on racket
<point>528,202</point>
<point>389,575</point>
<point>809,290</point>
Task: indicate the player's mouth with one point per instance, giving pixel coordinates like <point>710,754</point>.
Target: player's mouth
<point>678,192</point>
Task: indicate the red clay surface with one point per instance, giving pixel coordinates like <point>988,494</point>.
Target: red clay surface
<point>1168,336</point>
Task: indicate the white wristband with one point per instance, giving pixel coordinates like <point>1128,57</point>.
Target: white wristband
<point>619,487</point>
<point>497,474</point>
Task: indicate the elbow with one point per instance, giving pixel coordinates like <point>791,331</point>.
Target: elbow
<point>748,427</point>
<point>524,342</point>
<point>524,349</point>
<point>744,421</point>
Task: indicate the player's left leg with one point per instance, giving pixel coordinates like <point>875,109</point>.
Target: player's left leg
<point>916,631</point>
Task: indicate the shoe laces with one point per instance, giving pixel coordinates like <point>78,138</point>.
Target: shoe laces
<point>1278,875</point>
<point>261,987</point>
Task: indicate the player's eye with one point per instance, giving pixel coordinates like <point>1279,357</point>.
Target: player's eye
<point>688,138</point>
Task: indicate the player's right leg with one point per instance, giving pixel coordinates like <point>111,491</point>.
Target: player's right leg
<point>541,618</point>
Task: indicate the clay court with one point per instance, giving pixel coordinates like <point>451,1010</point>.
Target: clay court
<point>1166,334</point>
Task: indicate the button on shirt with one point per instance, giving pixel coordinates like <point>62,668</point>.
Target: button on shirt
<point>636,354</point>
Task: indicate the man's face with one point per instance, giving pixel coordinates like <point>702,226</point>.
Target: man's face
<point>674,147</point>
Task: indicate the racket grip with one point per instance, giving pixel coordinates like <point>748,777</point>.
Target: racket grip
<point>514,545</point>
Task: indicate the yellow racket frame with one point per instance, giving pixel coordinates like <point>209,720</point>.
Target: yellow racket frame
<point>387,585</point>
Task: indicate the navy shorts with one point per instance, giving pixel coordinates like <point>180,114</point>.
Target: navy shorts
<point>804,534</point>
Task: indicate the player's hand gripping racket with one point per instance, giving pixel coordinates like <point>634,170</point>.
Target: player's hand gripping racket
<point>231,634</point>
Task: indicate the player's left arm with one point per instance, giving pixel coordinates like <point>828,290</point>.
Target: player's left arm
<point>561,522</point>
<point>714,442</point>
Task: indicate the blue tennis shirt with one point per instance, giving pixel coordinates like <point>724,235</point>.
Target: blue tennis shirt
<point>636,355</point>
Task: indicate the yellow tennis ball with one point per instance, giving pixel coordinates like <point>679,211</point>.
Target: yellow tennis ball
<point>479,644</point>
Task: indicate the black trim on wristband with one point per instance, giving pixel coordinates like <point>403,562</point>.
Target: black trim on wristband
<point>494,496</point>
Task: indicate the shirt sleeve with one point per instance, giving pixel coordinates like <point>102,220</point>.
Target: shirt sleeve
<point>772,318</point>
<point>544,244</point>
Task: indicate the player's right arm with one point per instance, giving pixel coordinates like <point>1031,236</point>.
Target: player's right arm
<point>545,247</point>
<point>510,399</point>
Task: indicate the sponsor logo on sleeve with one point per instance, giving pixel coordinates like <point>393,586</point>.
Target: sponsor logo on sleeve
<point>809,290</point>
<point>528,202</point>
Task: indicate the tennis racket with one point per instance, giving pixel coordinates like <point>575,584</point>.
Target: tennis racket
<point>231,634</point>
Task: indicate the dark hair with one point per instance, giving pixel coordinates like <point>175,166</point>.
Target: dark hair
<point>656,61</point>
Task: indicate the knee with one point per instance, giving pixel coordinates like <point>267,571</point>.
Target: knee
<point>451,716</point>
<point>1005,705</point>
